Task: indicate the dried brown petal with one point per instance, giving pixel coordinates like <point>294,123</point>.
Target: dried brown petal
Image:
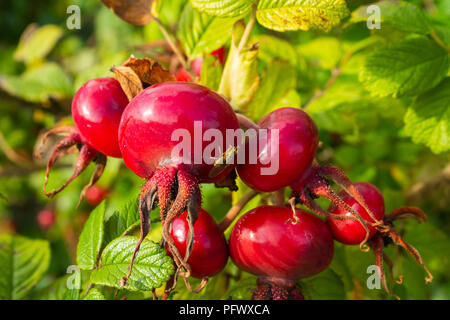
<point>135,12</point>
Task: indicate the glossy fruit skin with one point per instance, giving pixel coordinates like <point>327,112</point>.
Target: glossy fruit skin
<point>298,141</point>
<point>96,110</point>
<point>263,244</point>
<point>352,232</point>
<point>46,218</point>
<point>210,252</point>
<point>151,118</point>
<point>95,195</point>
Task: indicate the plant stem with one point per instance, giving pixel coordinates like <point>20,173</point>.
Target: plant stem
<point>172,44</point>
<point>247,30</point>
<point>236,209</point>
<point>439,41</point>
<point>245,122</point>
<point>334,74</point>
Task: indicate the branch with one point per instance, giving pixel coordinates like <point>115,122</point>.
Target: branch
<point>236,209</point>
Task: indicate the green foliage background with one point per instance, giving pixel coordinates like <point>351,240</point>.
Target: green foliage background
<point>384,117</point>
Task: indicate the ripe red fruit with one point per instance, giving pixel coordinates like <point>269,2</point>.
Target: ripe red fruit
<point>96,110</point>
<point>210,252</point>
<point>294,153</point>
<point>147,144</point>
<point>351,231</point>
<point>95,195</point>
<point>381,231</point>
<point>263,243</point>
<point>46,218</point>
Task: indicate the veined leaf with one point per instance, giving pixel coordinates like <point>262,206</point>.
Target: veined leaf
<point>94,294</point>
<point>37,42</point>
<point>284,15</point>
<point>151,267</point>
<point>91,238</point>
<point>201,33</point>
<point>409,67</point>
<point>224,8</point>
<point>240,78</point>
<point>23,262</point>
<point>427,121</point>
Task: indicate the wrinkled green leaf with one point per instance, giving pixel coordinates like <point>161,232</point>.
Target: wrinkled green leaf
<point>23,262</point>
<point>284,15</point>
<point>37,42</point>
<point>427,121</point>
<point>94,294</point>
<point>39,85</point>
<point>200,33</point>
<point>409,67</point>
<point>151,268</point>
<point>91,238</point>
<point>240,78</point>
<point>224,8</point>
<point>277,81</point>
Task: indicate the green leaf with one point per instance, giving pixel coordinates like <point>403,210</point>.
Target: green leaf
<point>200,33</point>
<point>151,268</point>
<point>409,67</point>
<point>327,285</point>
<point>23,262</point>
<point>36,43</point>
<point>271,47</point>
<point>401,15</point>
<point>314,50</point>
<point>223,8</point>
<point>91,238</point>
<point>278,79</point>
<point>427,121</point>
<point>94,294</point>
<point>39,85</point>
<point>284,15</point>
<point>240,78</point>
<point>123,219</point>
<point>211,72</point>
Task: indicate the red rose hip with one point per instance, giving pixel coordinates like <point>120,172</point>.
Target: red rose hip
<point>210,252</point>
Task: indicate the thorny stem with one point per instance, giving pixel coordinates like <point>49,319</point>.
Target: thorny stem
<point>235,209</point>
<point>11,154</point>
<point>247,30</point>
<point>172,45</point>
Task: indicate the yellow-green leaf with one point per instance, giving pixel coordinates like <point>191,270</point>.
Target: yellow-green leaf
<point>284,15</point>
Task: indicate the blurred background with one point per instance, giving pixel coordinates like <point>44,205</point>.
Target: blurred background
<point>43,63</point>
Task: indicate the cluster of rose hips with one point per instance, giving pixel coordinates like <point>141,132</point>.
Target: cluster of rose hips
<point>280,243</point>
